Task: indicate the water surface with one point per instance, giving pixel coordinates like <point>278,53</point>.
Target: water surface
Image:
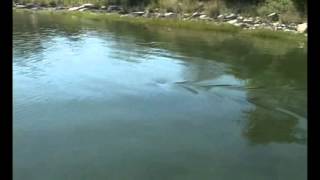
<point>104,100</point>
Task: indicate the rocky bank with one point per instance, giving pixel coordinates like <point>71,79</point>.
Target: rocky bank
<point>270,22</point>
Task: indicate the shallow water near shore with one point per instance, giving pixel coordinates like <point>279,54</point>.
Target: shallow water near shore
<point>97,99</point>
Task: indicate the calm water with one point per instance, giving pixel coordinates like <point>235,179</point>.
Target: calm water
<point>101,100</point>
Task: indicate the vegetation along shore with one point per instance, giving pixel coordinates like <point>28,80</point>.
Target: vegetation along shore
<point>265,15</point>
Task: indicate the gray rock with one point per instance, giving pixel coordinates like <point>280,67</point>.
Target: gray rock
<point>185,15</point>
<point>89,6</point>
<point>257,25</point>
<point>204,17</point>
<point>231,16</point>
<point>196,14</point>
<point>248,20</point>
<point>114,8</point>
<point>30,5</point>
<point>170,15</point>
<point>59,8</point>
<point>302,28</point>
<point>240,18</point>
<point>138,13</point>
<point>35,8</point>
<point>221,16</point>
<point>234,21</point>
<point>21,6</point>
<point>74,9</point>
<point>159,15</point>
<point>83,9</point>
<point>273,16</point>
<point>276,24</point>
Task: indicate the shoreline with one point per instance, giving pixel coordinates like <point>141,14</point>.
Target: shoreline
<point>196,21</point>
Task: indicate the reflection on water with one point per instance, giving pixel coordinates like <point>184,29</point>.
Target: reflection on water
<point>110,100</point>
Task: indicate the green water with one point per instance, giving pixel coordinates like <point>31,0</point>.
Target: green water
<point>103,100</point>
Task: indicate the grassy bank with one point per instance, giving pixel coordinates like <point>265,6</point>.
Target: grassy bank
<point>288,10</point>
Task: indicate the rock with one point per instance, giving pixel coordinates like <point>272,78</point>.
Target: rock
<point>220,17</point>
<point>234,21</point>
<point>196,14</point>
<point>170,15</point>
<point>275,24</point>
<point>114,8</point>
<point>268,27</point>
<point>279,28</point>
<point>185,15</point>
<point>240,18</point>
<point>147,14</point>
<point>35,8</point>
<point>257,21</point>
<point>138,13</point>
<point>203,17</point>
<point>21,6</point>
<point>302,28</point>
<point>256,25</point>
<point>89,6</point>
<point>103,7</point>
<point>231,16</point>
<point>158,15</point>
<point>248,20</point>
<point>74,9</point>
<point>273,16</point>
<point>30,5</point>
<point>83,9</point>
